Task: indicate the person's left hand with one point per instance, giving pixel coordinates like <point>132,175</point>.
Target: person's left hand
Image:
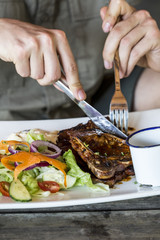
<point>137,37</point>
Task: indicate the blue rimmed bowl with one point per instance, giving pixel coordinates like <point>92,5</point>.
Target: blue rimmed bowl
<point>145,151</point>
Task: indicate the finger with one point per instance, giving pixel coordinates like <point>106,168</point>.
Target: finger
<point>51,67</point>
<point>126,45</point>
<point>22,65</point>
<point>36,65</point>
<point>103,12</point>
<point>115,9</point>
<point>114,38</point>
<point>137,53</point>
<point>120,30</point>
<point>70,67</point>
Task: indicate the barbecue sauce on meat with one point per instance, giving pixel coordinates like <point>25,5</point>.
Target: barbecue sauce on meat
<point>105,156</point>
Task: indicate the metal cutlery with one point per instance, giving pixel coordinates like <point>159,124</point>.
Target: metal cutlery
<point>118,111</point>
<point>99,120</point>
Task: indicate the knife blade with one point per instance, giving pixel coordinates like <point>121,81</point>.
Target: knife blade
<point>99,120</point>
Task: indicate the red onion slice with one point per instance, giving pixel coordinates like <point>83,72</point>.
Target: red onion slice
<point>41,164</point>
<point>55,151</point>
<point>12,150</point>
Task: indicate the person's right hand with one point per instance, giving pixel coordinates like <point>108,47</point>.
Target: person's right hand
<point>39,53</point>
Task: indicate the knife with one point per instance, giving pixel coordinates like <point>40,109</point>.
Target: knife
<point>95,116</point>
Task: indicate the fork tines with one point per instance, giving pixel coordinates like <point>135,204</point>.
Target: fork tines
<point>118,107</point>
<point>120,119</point>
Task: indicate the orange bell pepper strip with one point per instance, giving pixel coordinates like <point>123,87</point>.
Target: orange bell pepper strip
<point>27,159</point>
<point>5,144</point>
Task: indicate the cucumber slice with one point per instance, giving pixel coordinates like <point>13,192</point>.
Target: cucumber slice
<point>19,192</point>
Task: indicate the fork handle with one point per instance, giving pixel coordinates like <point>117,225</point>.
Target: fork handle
<point>117,65</point>
<point>116,71</point>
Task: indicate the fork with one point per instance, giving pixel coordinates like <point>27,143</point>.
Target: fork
<point>118,111</point>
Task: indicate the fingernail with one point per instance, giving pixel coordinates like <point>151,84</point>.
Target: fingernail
<point>107,65</point>
<point>107,27</point>
<point>81,95</point>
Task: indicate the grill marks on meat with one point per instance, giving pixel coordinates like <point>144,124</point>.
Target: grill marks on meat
<point>114,148</point>
<point>100,166</point>
<point>107,156</point>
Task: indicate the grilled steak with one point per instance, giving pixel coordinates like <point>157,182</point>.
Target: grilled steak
<point>116,178</point>
<point>106,156</point>
<point>100,166</point>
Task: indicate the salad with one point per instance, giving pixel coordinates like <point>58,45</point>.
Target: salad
<point>36,167</point>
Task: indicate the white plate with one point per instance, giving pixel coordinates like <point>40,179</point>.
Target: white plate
<point>79,196</point>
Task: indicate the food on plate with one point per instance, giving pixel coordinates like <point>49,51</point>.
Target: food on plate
<point>105,156</point>
<point>31,165</point>
<point>37,163</point>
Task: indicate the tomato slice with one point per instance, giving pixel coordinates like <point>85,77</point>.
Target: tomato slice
<point>4,188</point>
<point>51,186</point>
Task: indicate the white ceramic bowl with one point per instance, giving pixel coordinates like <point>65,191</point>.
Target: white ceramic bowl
<point>145,151</point>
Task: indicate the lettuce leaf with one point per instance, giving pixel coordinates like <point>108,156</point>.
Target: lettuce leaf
<point>82,178</point>
<point>5,174</point>
<point>31,136</point>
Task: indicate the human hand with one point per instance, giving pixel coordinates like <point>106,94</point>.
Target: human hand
<point>137,37</point>
<point>39,53</point>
